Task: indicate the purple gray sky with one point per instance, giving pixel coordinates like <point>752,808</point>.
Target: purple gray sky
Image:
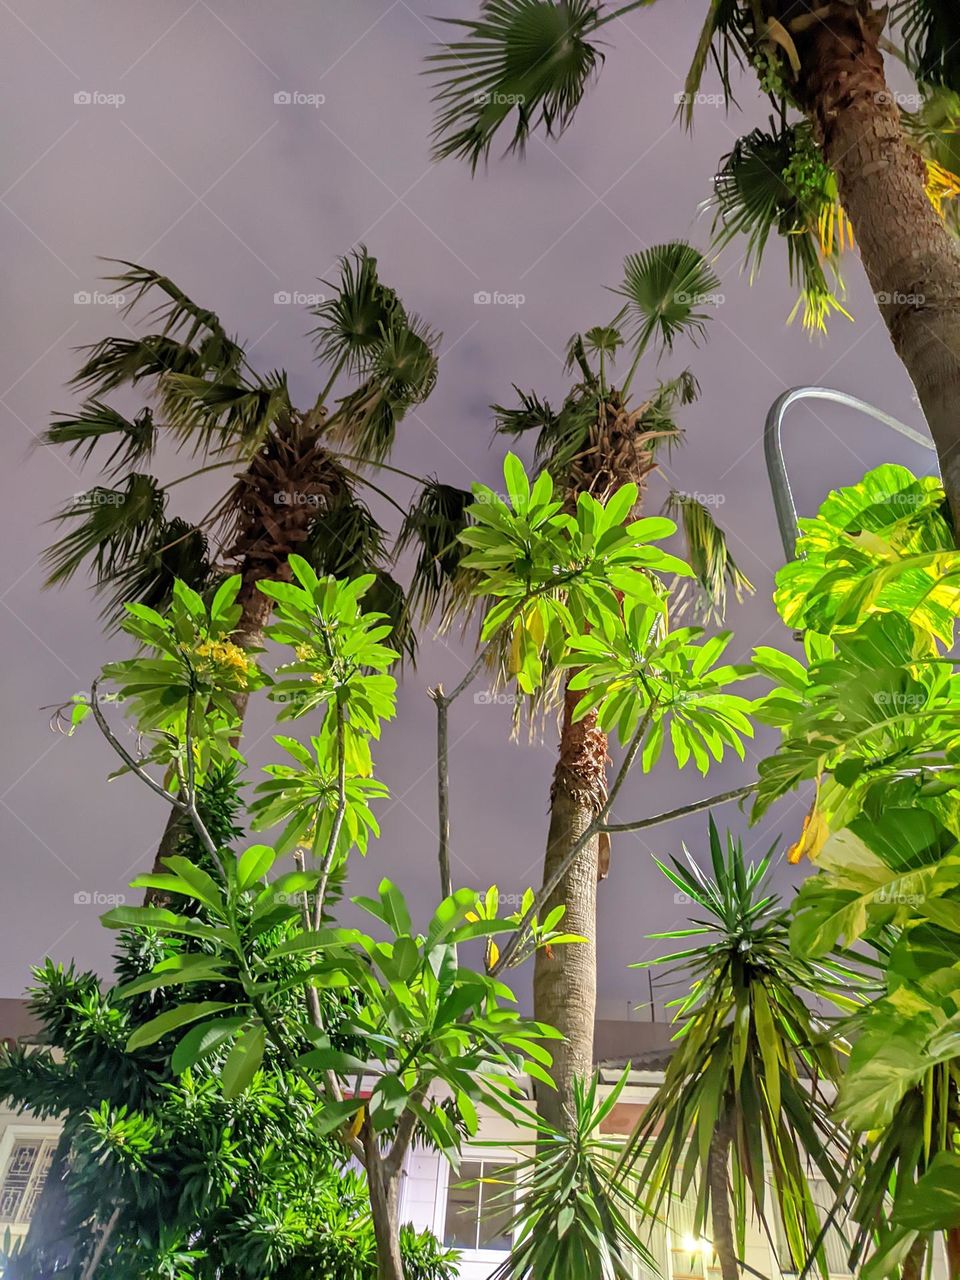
<point>184,161</point>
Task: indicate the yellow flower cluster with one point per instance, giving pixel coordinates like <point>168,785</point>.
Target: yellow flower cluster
<point>223,653</point>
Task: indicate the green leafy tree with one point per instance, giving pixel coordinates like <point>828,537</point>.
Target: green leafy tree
<point>742,1117</point>
<point>871,721</point>
<point>433,1036</point>
<point>600,443</point>
<point>843,159</point>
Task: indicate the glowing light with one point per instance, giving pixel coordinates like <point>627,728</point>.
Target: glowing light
<point>691,1244</point>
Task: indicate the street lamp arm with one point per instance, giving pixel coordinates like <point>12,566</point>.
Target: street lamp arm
<point>783,501</point>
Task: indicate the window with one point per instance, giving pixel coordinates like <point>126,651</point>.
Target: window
<point>691,1257</point>
<point>478,1214</point>
<point>24,1176</point>
<point>835,1246</point>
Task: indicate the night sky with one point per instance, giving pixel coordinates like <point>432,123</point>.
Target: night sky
<point>183,160</point>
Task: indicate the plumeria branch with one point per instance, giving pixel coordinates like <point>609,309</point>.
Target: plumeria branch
<point>736,794</point>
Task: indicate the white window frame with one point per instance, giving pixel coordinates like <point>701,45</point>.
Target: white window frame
<point>11,1135</point>
<point>489,1155</point>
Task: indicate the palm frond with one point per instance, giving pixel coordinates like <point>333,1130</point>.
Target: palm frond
<point>561,436</point>
<point>117,362</point>
<point>180,316</point>
<point>133,439</point>
<point>727,34</point>
<point>666,288</point>
<point>401,373</point>
<point>354,319</point>
<point>529,57</point>
<point>345,541</point>
<point>708,555</point>
<point>431,526</point>
<point>931,40</point>
<point>178,551</point>
<point>110,527</point>
<point>776,181</point>
<point>204,412</point>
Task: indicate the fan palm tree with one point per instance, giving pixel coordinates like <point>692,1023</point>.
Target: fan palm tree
<point>842,159</point>
<point>298,472</point>
<point>598,441</point>
<point>741,1115</point>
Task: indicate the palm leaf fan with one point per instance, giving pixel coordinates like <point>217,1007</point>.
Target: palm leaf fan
<point>223,411</point>
<point>401,373</point>
<point>109,526</point>
<point>666,288</point>
<point>431,526</point>
<point>531,59</point>
<point>133,439</point>
<point>354,319</point>
<point>777,182</point>
<point>931,40</point>
<point>177,551</point>
<point>708,554</point>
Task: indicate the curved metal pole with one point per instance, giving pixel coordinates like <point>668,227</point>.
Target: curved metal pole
<point>783,502</point>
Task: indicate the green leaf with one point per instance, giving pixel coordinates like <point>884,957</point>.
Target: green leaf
<point>243,1061</point>
<point>158,1027</point>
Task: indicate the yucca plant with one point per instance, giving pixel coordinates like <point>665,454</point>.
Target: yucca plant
<point>573,1218</point>
<point>743,1114</point>
<point>845,158</point>
<point>598,441</point>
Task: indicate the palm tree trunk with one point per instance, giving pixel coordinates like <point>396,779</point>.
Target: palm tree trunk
<point>565,978</point>
<point>910,257</point>
<point>723,1241</point>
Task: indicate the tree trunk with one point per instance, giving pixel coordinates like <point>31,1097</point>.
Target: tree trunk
<point>910,257</point>
<point>953,1253</point>
<point>565,977</point>
<point>384,1191</point>
<point>723,1242</point>
<point>913,1262</point>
